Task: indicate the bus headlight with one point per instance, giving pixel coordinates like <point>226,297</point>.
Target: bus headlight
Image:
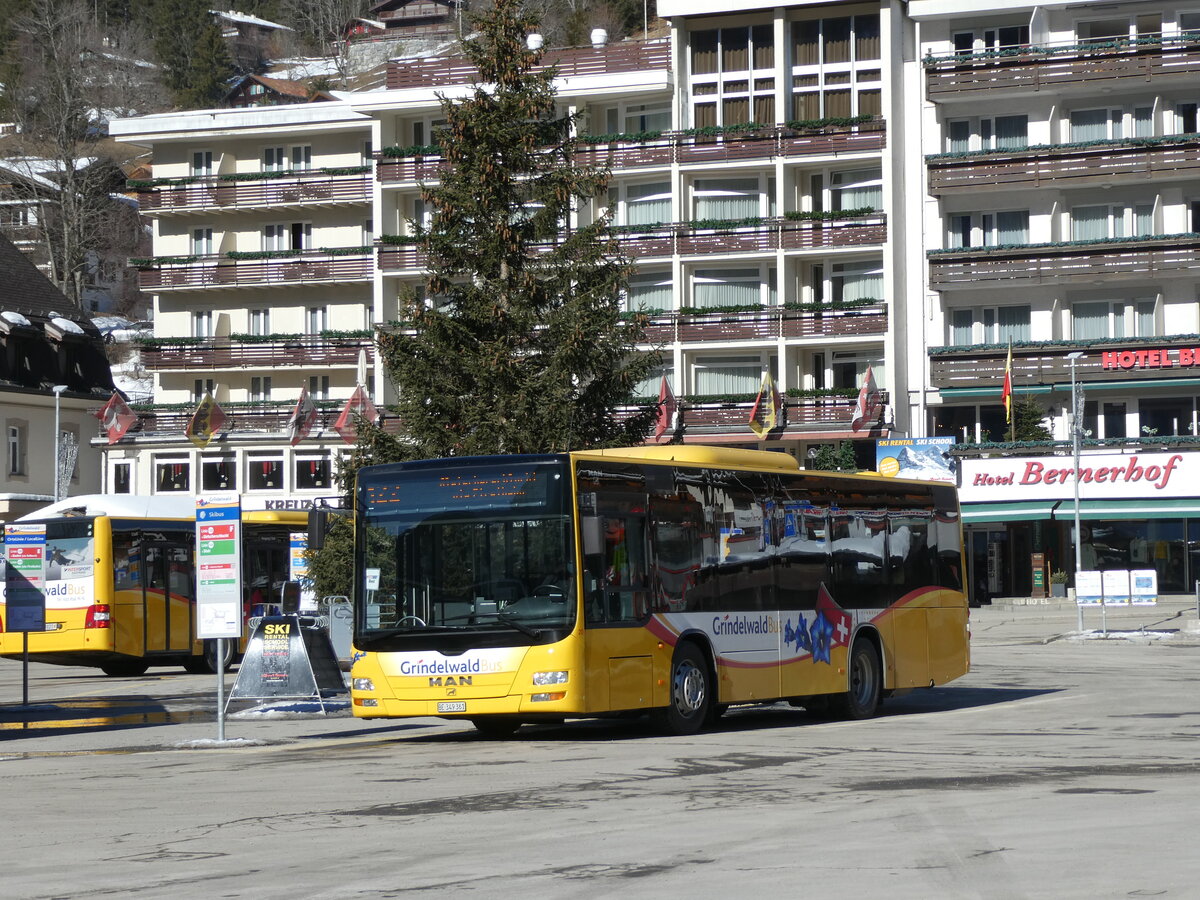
<point>550,677</point>
<point>543,698</point>
<point>362,684</point>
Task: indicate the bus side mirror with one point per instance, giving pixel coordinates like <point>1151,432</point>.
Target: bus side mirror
<point>289,600</point>
<point>318,527</point>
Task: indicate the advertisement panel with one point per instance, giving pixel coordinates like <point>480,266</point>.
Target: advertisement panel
<point>927,459</point>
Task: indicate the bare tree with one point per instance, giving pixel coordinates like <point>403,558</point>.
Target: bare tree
<point>322,24</point>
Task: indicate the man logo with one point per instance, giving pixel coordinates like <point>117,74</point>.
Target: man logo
<point>450,681</point>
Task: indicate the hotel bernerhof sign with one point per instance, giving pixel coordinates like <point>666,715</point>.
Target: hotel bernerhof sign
<point>1107,476</point>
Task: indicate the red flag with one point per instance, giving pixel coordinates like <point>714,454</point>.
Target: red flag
<point>837,617</point>
<point>666,410</point>
<point>358,404</point>
<point>1006,396</point>
<point>206,421</point>
<point>866,409</point>
<point>117,417</point>
<point>767,406</point>
<point>302,419</point>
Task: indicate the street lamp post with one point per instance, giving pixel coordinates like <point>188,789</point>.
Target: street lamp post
<point>58,389</point>
<point>1075,432</point>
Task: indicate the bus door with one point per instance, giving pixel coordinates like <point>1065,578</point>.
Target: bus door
<point>169,589</point>
<point>616,603</point>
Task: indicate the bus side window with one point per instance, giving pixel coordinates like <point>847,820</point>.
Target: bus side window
<point>675,527</point>
<point>617,576</point>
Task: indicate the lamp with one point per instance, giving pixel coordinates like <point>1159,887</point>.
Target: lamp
<point>1075,431</point>
<point>58,389</point>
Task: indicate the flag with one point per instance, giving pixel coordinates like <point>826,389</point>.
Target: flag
<point>302,419</point>
<point>1006,396</point>
<point>116,417</point>
<point>831,628</point>
<point>358,404</point>
<point>206,421</point>
<point>667,408</point>
<point>765,414</point>
<point>866,408</point>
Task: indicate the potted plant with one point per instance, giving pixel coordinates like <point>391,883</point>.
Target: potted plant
<point>1058,583</point>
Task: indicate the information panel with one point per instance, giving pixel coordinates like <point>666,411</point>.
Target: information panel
<point>25,576</point>
<point>1143,585</point>
<point>219,566</point>
<point>1116,587</point>
<point>1089,591</point>
<point>298,570</point>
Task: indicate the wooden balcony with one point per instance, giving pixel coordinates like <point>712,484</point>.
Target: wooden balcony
<point>1156,257</point>
<point>822,414</point>
<point>222,272</point>
<point>684,239</point>
<point>1067,167</point>
<point>316,189</point>
<point>1108,361</point>
<point>302,351</point>
<point>257,418</point>
<point>678,147</point>
<point>571,62</point>
<point>768,325</point>
<point>1052,67</point>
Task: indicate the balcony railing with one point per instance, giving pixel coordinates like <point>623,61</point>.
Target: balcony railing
<point>1067,166</point>
<point>258,418</point>
<point>682,147</point>
<point>1114,360</point>
<point>208,194</point>
<point>823,414</point>
<point>222,272</point>
<point>634,56</point>
<point>770,324</point>
<point>1054,263</point>
<point>1050,66</point>
<point>685,239</point>
<point>231,353</point>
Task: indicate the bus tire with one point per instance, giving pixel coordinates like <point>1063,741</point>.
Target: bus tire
<point>195,665</point>
<point>496,727</point>
<point>691,688</point>
<point>125,668</point>
<point>210,655</point>
<point>862,700</point>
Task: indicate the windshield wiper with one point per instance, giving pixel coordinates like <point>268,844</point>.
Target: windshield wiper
<point>504,620</point>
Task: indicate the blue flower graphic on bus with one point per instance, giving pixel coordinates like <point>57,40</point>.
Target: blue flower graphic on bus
<point>798,635</point>
<point>822,638</point>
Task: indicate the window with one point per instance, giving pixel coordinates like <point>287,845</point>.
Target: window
<point>16,448</point>
<point>202,323</point>
<point>289,236</point>
<point>1166,417</point>
<point>649,290</point>
<point>725,287</point>
<point>633,118</point>
<point>218,473</point>
<point>318,387</point>
<point>301,158</point>
<point>1102,31</point>
<point>648,203</point>
<point>172,474</point>
<point>1096,223</point>
<point>260,388</point>
<point>200,387</point>
<point>122,478</point>
<point>856,189</point>
<point>987,229</point>
<point>264,472</point>
<point>989,325</point>
<point>316,319</point>
<point>724,375</point>
<point>260,321</point>
<point>1098,319</point>
<point>274,160</point>
<point>733,76</point>
<point>312,472</point>
<point>1111,124</point>
<point>853,281</point>
<point>202,164</point>
<point>202,241</point>
<point>991,38</point>
<point>848,368</point>
<point>987,133</point>
<point>835,67</point>
<point>733,198</point>
<point>368,233</point>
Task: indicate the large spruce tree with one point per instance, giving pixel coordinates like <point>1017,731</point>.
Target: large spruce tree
<point>517,344</point>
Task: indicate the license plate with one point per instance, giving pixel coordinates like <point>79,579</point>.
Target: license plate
<point>452,706</point>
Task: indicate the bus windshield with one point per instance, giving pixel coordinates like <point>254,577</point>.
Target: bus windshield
<point>468,547</point>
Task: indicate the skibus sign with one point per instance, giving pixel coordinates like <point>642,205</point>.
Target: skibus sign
<point>1107,476</point>
<point>219,566</point>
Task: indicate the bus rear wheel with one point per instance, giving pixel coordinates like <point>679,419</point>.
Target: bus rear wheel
<point>496,727</point>
<point>125,668</point>
<point>862,700</point>
<point>210,655</point>
<point>691,692</point>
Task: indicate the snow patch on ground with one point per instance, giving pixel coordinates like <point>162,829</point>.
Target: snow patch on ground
<point>213,744</point>
<point>291,710</point>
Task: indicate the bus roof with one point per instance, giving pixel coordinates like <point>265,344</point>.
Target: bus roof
<point>133,506</point>
<point>699,455</point>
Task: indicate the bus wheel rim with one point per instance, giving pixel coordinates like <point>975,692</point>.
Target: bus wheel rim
<point>689,688</point>
<point>861,679</point>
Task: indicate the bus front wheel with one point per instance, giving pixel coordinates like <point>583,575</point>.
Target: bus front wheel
<point>210,655</point>
<point>125,668</point>
<point>691,692</point>
<point>862,700</point>
<point>496,727</point>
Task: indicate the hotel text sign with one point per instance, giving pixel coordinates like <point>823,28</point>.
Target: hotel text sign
<point>1161,358</point>
<point>1105,476</point>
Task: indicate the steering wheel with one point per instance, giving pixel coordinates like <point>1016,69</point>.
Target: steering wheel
<point>549,590</point>
<point>416,619</point>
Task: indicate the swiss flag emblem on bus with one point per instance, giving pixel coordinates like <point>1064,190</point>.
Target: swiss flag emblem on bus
<point>831,628</point>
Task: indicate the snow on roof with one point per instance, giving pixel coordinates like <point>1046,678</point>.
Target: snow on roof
<point>246,19</point>
<point>14,318</point>
<point>65,325</point>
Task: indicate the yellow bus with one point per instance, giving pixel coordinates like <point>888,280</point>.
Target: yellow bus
<point>120,582</point>
<point>671,580</point>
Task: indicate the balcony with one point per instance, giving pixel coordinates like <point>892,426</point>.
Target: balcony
<point>768,325</point>
<point>708,239</point>
<point>802,415</point>
<point>244,352</point>
<point>1075,262</point>
<point>1067,166</point>
<point>217,271</point>
<point>1044,363</point>
<point>323,187</point>
<point>1052,67</point>
<point>683,147</point>
<point>255,417</point>
<point>572,62</point>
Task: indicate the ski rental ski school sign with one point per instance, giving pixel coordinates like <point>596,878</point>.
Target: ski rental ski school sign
<point>1106,476</point>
